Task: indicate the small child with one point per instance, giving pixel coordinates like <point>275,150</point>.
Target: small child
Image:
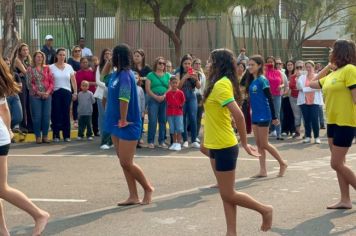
<point>141,104</point>
<point>175,101</point>
<point>85,110</point>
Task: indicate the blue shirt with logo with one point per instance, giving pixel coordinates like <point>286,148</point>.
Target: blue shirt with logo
<point>122,87</point>
<point>261,111</point>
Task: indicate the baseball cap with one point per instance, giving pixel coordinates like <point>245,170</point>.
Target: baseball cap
<point>49,37</point>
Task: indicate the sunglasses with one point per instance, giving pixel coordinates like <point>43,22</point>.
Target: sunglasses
<point>161,63</point>
<point>77,50</point>
<point>299,67</point>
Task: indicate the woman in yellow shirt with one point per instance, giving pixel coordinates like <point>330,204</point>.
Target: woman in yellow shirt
<point>221,141</point>
<point>339,89</point>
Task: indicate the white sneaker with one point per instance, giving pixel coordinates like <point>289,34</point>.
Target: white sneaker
<point>68,140</point>
<point>273,134</point>
<point>79,138</point>
<point>185,144</point>
<point>172,147</point>
<point>90,138</point>
<point>317,141</point>
<point>104,147</point>
<point>56,140</point>
<point>195,145</point>
<point>306,140</point>
<point>197,140</point>
<point>178,147</point>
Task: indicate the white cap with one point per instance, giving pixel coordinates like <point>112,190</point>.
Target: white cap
<point>49,37</point>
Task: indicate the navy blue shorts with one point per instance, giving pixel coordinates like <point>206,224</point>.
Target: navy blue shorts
<point>342,135</point>
<point>262,124</point>
<point>225,159</point>
<point>4,150</point>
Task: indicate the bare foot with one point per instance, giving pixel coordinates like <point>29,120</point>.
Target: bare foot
<point>147,198</point>
<point>267,219</point>
<point>282,170</point>
<point>259,175</point>
<point>340,205</point>
<point>130,201</point>
<point>40,224</point>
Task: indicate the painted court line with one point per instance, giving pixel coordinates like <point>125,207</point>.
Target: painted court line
<point>57,200</point>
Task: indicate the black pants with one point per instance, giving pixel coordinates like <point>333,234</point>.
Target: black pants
<point>287,117</point>
<point>60,115</point>
<point>84,122</point>
<point>94,118</point>
<point>200,112</point>
<point>25,104</point>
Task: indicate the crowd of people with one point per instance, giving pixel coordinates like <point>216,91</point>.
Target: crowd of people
<point>110,96</point>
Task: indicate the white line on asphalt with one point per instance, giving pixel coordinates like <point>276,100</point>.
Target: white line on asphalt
<point>57,200</point>
<point>138,156</point>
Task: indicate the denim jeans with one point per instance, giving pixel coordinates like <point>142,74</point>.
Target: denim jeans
<point>40,112</point>
<point>277,101</point>
<point>190,110</point>
<point>297,113</point>
<point>200,112</point>
<point>321,116</point>
<point>156,111</point>
<point>311,119</point>
<point>105,137</point>
<point>15,110</point>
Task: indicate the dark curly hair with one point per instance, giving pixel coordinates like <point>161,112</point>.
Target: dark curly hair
<point>343,53</point>
<point>223,63</point>
<point>122,57</point>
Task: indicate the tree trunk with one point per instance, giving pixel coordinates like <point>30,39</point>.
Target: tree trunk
<point>10,33</point>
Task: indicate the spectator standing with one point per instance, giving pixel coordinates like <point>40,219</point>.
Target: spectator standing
<point>199,93</point>
<point>74,61</point>
<point>85,110</point>
<point>188,82</point>
<point>157,85</point>
<point>242,56</point>
<point>41,87</point>
<point>288,125</point>
<point>48,50</point>
<point>86,52</point>
<point>140,66</point>
<point>309,101</point>
<point>64,80</point>
<point>175,102</point>
<point>141,103</point>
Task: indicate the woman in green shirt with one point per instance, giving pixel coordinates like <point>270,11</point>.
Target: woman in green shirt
<point>157,85</point>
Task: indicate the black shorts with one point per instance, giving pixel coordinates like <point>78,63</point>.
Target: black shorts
<point>342,135</point>
<point>225,159</point>
<point>4,150</point>
<point>262,124</point>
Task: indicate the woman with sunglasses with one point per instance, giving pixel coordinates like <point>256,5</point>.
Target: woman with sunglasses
<point>294,91</point>
<point>74,61</point>
<point>157,85</point>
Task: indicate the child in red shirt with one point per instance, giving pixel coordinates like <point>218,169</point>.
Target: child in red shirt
<point>175,101</point>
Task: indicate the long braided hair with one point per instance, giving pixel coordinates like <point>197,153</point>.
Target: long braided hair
<point>223,63</point>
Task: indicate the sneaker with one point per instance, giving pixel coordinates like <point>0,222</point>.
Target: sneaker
<point>197,140</point>
<point>67,140</point>
<point>195,145</point>
<point>163,145</point>
<point>56,140</point>
<point>280,138</point>
<point>317,141</point>
<point>104,147</point>
<point>296,135</point>
<point>306,140</point>
<point>173,146</point>
<point>185,144</point>
<point>112,146</point>
<point>90,138</point>
<point>284,134</point>
<point>79,138</point>
<point>273,134</point>
<point>178,147</point>
<point>151,146</point>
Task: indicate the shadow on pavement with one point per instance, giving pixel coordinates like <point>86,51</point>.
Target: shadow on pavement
<point>18,170</point>
<point>319,226</point>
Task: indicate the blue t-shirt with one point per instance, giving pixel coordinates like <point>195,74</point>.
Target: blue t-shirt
<point>261,111</point>
<point>122,87</point>
<point>75,64</point>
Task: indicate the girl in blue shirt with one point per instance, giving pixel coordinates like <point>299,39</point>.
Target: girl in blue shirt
<point>123,121</point>
<point>262,114</point>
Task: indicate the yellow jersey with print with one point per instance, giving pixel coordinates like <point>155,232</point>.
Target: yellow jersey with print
<point>218,131</point>
<point>340,108</point>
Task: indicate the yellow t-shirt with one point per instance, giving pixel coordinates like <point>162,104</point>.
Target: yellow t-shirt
<point>218,132</point>
<point>340,108</point>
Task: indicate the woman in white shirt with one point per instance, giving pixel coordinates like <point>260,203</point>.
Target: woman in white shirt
<point>309,101</point>
<point>64,80</point>
<point>9,194</point>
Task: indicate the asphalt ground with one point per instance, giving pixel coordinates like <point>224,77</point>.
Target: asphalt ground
<point>79,185</point>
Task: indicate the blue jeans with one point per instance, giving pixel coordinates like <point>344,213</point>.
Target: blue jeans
<point>105,137</point>
<point>277,101</point>
<point>321,116</point>
<point>311,119</point>
<point>156,111</point>
<point>40,112</point>
<point>190,111</point>
<point>15,110</point>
